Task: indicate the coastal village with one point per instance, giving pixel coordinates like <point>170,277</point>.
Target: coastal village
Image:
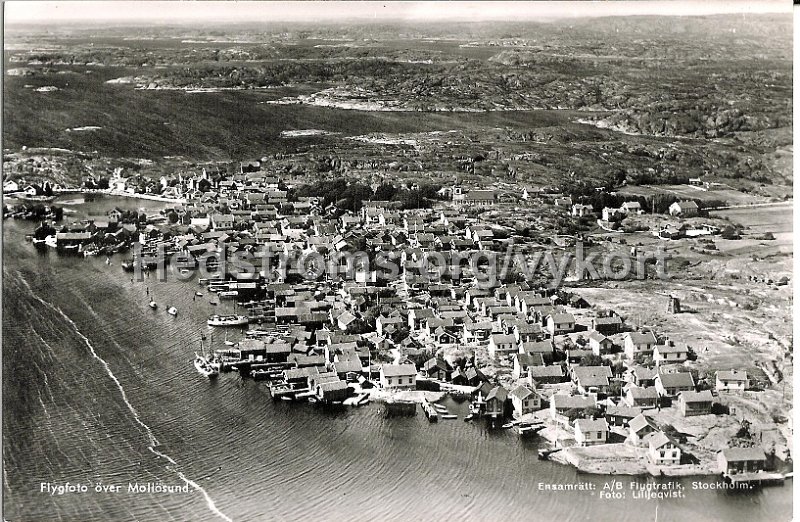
<point>605,390</point>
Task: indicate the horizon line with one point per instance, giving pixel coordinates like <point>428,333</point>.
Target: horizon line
<point>49,13</point>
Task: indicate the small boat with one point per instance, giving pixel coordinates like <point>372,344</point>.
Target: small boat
<point>184,272</point>
<point>529,430</point>
<point>172,311</point>
<point>108,260</point>
<point>449,416</point>
<point>507,425</point>
<point>287,399</point>
<point>469,417</point>
<point>212,303</point>
<point>230,294</point>
<point>440,407</point>
<point>199,294</point>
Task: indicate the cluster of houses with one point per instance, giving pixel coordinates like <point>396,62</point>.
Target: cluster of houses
<point>364,326</point>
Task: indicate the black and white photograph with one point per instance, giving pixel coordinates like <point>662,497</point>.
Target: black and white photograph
<point>397,261</point>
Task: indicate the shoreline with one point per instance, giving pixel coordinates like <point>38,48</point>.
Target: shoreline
<point>605,459</point>
<point>109,192</point>
<point>614,458</point>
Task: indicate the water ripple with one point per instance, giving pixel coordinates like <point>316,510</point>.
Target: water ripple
<point>153,440</point>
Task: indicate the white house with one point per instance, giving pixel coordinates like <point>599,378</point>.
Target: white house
<point>10,186</point>
<point>398,376</point>
<point>684,209</point>
<point>502,345</point>
<point>667,353</point>
<point>589,432</point>
<point>637,343</point>
<point>599,343</point>
<point>733,380</point>
<point>525,400</point>
<point>560,323</point>
<point>631,207</point>
<point>662,450</point>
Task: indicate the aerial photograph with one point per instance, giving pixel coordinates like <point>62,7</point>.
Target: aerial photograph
<point>397,261</point>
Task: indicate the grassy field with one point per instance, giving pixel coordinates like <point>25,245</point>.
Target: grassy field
<point>730,195</point>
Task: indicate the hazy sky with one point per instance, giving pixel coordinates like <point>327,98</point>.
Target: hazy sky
<point>172,11</point>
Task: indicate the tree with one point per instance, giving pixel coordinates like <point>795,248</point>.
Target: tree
<point>359,326</point>
<point>644,360</point>
<point>592,360</point>
<point>385,192</point>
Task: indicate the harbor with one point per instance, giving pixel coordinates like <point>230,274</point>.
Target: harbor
<point>233,417</point>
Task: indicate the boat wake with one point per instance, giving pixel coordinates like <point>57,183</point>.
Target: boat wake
<point>152,438</point>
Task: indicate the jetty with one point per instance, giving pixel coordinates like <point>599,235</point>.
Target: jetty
<point>430,411</point>
<point>358,400</point>
<point>544,454</point>
<point>755,479</point>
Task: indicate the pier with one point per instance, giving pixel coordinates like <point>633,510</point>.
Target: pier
<point>430,411</point>
<point>545,454</point>
<point>761,478</point>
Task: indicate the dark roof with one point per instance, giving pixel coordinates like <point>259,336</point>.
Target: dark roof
<point>522,392</point>
<point>499,393</point>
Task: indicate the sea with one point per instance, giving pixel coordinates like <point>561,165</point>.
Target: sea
<point>105,419</point>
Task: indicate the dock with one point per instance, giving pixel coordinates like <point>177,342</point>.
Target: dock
<point>430,411</point>
<point>761,478</point>
<point>358,400</point>
<point>545,454</point>
<point>281,390</point>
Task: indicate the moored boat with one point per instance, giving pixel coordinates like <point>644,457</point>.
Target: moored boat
<point>227,320</point>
